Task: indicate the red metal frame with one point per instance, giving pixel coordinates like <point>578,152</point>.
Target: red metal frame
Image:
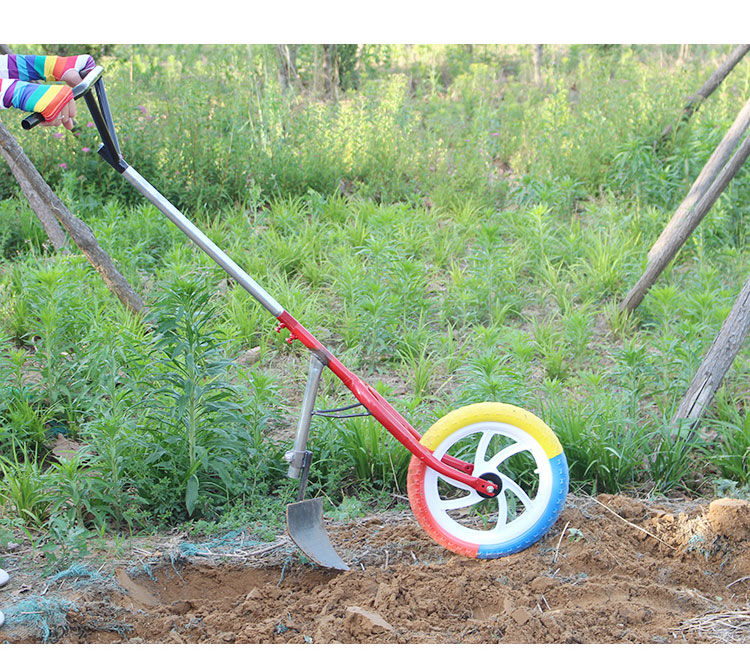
<point>384,413</point>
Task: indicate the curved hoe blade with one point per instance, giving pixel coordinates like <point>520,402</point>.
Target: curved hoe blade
<point>304,523</point>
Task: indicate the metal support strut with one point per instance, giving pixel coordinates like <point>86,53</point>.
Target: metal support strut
<point>296,456</point>
<point>304,518</point>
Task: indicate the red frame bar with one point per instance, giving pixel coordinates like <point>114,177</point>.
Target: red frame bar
<point>388,416</point>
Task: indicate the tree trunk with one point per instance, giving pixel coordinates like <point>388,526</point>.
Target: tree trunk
<point>718,360</point>
<point>708,88</point>
<point>684,50</point>
<point>684,229</point>
<point>707,176</point>
<point>77,229</point>
<point>330,70</point>
<point>538,49</point>
<point>359,66</point>
<point>286,55</point>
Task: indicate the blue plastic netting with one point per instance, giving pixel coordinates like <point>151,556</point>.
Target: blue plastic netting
<point>81,572</point>
<point>224,545</point>
<point>43,616</point>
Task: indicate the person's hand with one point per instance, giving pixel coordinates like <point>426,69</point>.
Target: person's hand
<point>65,117</point>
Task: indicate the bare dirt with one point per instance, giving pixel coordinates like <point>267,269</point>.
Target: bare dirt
<point>612,570</point>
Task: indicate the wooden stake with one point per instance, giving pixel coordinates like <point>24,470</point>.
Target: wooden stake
<point>707,175</point>
<point>718,359</point>
<point>55,233</point>
<point>708,88</point>
<point>77,229</point>
<point>684,229</point>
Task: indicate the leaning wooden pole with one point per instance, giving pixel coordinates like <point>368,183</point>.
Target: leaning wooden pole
<point>77,229</point>
<point>718,360</point>
<point>694,101</point>
<point>682,232</point>
<point>55,233</point>
<point>710,170</point>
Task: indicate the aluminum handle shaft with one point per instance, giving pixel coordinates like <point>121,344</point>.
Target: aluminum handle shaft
<point>200,239</point>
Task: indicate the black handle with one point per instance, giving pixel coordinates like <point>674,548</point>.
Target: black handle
<point>32,120</point>
<point>79,90</point>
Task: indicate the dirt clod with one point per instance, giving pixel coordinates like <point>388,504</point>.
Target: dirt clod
<point>730,518</point>
<point>364,622</point>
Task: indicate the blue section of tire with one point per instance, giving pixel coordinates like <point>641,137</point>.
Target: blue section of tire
<point>551,513</point>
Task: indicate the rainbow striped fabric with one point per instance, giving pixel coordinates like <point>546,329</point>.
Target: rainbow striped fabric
<point>18,88</point>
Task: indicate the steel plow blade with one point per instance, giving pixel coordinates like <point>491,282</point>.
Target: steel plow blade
<point>304,523</point>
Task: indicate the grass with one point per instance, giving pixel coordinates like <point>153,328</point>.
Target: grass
<point>450,242</point>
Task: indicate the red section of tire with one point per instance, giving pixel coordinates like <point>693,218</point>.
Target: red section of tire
<point>415,488</point>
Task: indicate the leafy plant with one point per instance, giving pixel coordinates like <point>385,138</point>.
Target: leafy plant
<point>604,449</point>
<point>24,487</point>
<point>674,455</point>
<point>378,459</point>
<point>194,431</point>
<point>732,453</point>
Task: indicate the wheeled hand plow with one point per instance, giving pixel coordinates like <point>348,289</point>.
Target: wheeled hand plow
<point>486,480</point>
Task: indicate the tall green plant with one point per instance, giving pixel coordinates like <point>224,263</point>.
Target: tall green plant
<point>194,431</point>
<point>24,487</point>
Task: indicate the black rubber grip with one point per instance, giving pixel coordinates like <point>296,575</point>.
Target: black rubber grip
<point>32,120</point>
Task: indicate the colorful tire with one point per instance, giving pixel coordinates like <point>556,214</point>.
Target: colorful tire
<point>507,442</point>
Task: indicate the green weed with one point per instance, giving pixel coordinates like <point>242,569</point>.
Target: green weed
<point>24,487</point>
<point>731,454</point>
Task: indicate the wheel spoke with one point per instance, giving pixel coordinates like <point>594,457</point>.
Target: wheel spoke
<point>504,454</point>
<point>460,502</point>
<point>484,442</point>
<point>502,509</point>
<point>517,491</point>
<point>454,483</point>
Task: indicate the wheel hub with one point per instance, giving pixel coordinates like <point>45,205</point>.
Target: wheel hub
<point>496,481</point>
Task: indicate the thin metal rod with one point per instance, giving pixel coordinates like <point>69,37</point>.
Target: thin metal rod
<point>323,411</point>
<point>330,416</point>
<point>303,426</point>
<point>306,461</point>
<point>333,413</point>
<point>201,240</point>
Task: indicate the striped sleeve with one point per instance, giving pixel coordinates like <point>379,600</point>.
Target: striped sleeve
<point>19,74</point>
<point>49,68</point>
<point>47,99</point>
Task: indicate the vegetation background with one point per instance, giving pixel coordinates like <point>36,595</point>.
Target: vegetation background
<point>454,222</point>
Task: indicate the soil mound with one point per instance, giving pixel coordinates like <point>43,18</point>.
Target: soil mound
<point>612,570</point>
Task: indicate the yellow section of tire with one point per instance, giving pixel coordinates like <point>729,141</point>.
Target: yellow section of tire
<point>493,412</point>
